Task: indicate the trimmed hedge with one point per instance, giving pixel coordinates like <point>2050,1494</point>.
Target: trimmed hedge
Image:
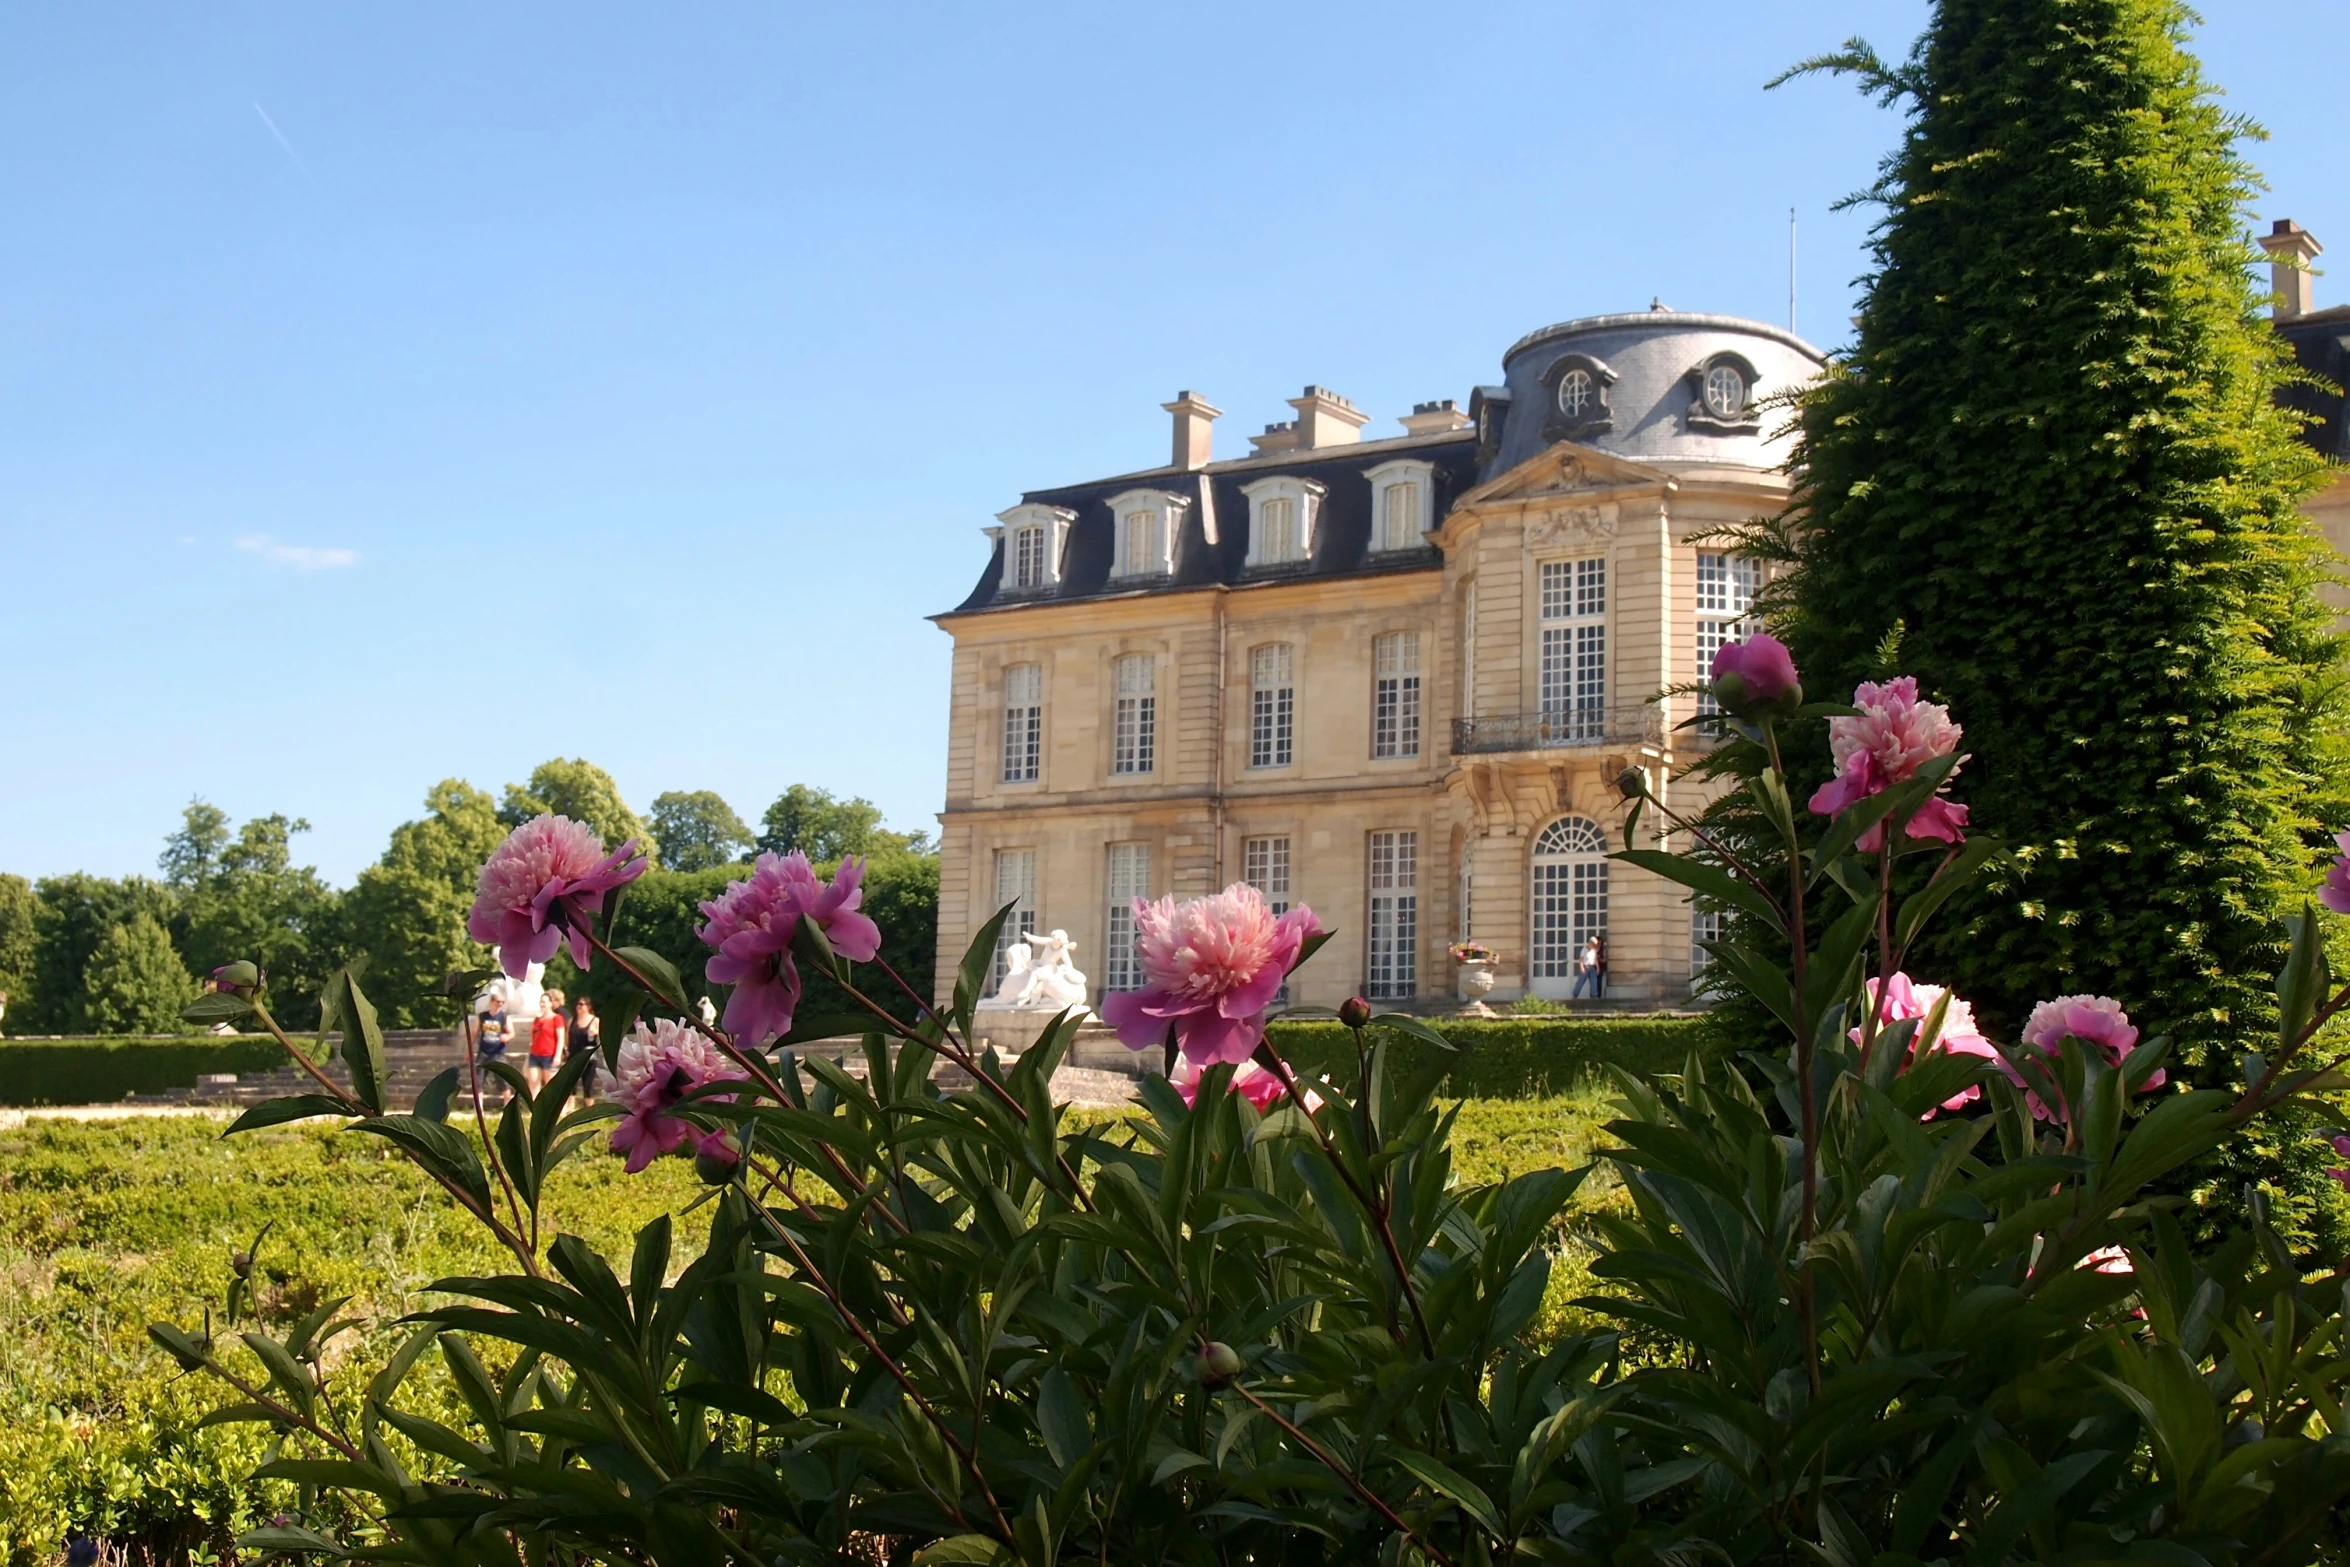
<point>1515,1058</point>
<point>100,1069</point>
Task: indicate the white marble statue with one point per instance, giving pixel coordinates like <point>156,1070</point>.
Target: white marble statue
<point>1038,974</point>
<point>522,999</point>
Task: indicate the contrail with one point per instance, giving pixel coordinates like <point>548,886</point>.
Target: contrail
<point>282,142</point>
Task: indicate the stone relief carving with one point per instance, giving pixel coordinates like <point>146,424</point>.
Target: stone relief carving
<point>1575,524</point>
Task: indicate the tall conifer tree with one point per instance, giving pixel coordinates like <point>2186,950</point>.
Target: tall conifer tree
<point>2054,465</point>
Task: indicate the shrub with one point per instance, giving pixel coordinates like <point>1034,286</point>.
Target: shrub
<point>86,1069</point>
<point>1512,1058</point>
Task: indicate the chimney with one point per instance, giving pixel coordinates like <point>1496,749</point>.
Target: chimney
<point>1195,419</point>
<point>1280,437</point>
<point>2291,248</point>
<point>1326,419</point>
<point>1434,418</point>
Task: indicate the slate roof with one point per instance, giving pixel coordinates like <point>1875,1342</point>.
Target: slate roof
<point>1342,535</point>
<point>2321,341</point>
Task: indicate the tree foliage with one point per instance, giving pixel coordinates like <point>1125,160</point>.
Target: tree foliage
<point>246,899</point>
<point>582,791</point>
<point>19,943</point>
<point>407,911</point>
<point>2054,470</point>
<point>136,983</point>
<point>697,830</point>
<point>73,914</point>
<point>824,827</point>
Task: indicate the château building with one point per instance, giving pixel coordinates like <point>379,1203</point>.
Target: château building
<point>1393,677</point>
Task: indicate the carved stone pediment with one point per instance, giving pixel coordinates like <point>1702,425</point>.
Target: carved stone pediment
<point>1572,525</point>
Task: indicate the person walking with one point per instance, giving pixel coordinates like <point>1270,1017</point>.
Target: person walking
<point>1599,967</point>
<point>585,1038</point>
<point>1586,971</point>
<point>546,1042</point>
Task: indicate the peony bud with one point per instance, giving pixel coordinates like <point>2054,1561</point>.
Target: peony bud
<point>717,1156</point>
<point>1756,677</point>
<point>241,1264</point>
<point>1632,783</point>
<point>1355,1012</point>
<point>1218,1364</point>
<point>236,979</point>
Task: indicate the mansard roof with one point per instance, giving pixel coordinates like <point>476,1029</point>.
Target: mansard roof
<point>2321,341</point>
<point>1211,543</point>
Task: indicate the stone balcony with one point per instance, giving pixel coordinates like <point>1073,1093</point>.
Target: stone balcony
<point>1630,724</point>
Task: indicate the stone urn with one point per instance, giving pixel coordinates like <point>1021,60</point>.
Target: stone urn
<point>1476,984</point>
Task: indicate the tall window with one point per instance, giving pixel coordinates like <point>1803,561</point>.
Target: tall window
<point>1142,547</point>
<point>1015,883</point>
<point>1399,515</point>
<point>1028,557</point>
<point>1395,694</point>
<point>1277,518</point>
<point>1023,722</point>
<point>1135,726</point>
<point>1264,865</point>
<point>1130,878</point>
<point>1705,928</point>
<point>1468,707</point>
<point>1465,927</point>
<point>1392,963</point>
<point>1272,705</point>
<point>1569,898</point>
<point>1725,608</point>
<point>1574,647</point>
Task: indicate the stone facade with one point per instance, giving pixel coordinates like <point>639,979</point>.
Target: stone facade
<point>1392,678</point>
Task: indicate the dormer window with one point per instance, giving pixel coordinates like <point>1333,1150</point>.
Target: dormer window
<point>1725,388</point>
<point>1403,504</point>
<point>1284,515</point>
<point>1578,385</point>
<point>1034,537</point>
<point>1144,524</point>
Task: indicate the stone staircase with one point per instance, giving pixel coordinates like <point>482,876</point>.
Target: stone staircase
<point>412,1058</point>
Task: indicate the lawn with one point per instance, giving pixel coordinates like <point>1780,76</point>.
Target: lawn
<point>108,1225</point>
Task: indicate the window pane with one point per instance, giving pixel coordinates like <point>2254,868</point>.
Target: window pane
<point>1023,722</point>
<point>1264,865</point>
<point>1392,960</point>
<point>1015,883</point>
<point>1401,516</point>
<point>1129,879</point>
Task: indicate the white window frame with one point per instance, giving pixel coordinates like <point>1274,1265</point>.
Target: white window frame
<point>1015,883</point>
<point>1397,688</point>
<point>1571,603</point>
<point>1157,559</point>
<point>1265,865</point>
<point>1391,938</point>
<point>1304,497</point>
<point>1053,523</point>
<point>1126,876</point>
<point>1705,925</point>
<point>1023,686</point>
<point>1134,714</point>
<point>1566,903</point>
<point>1272,705</point>
<point>1387,537</point>
<point>1726,585</point>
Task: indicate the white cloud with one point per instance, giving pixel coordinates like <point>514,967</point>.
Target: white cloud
<point>302,557</point>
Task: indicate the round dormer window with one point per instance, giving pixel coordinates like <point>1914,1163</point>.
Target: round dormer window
<point>1577,394</point>
<point>1725,392</point>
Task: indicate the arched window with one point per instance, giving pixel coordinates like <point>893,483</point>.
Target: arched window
<point>1569,887</point>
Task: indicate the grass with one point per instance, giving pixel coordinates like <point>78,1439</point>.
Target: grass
<point>106,1226</point>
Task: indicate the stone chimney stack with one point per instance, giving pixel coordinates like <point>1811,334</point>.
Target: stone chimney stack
<point>1434,418</point>
<point>1195,419</point>
<point>1326,419</point>
<point>2291,248</point>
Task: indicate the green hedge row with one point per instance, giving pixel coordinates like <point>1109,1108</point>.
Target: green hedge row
<point>100,1069</point>
<point>1514,1058</point>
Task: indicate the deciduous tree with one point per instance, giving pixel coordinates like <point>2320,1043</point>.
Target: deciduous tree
<point>136,982</point>
<point>407,911</point>
<point>697,831</point>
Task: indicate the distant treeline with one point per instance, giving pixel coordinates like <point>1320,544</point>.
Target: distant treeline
<point>84,954</point>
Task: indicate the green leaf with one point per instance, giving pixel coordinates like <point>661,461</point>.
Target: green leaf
<point>978,962</point>
<point>295,1107</point>
<point>961,1548</point>
<point>342,1006</point>
<point>1919,906</point>
<point>658,971</point>
<point>1455,1487</point>
<point>437,1146</point>
<point>222,1006</point>
<point>1707,880</point>
<point>179,1344</point>
<point>289,1540</point>
<point>1400,1023</point>
<point>2304,981</point>
<point>1060,1418</point>
<point>432,1101</point>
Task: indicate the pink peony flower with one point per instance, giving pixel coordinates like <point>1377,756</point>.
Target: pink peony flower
<point>1211,967</point>
<point>750,926</point>
<point>1756,673</point>
<point>2341,1142</point>
<point>2335,894</point>
<point>1894,736</point>
<point>1260,1086</point>
<point>1959,1035</point>
<point>2108,1259</point>
<point>542,883</point>
<point>659,1063</point>
<point>2093,1020</point>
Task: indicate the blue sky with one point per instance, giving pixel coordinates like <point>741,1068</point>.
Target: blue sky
<point>390,393</point>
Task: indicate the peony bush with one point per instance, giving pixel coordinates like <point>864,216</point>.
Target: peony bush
<point>1898,1293</point>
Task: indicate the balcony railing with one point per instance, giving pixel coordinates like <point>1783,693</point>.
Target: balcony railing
<point>1634,724</point>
